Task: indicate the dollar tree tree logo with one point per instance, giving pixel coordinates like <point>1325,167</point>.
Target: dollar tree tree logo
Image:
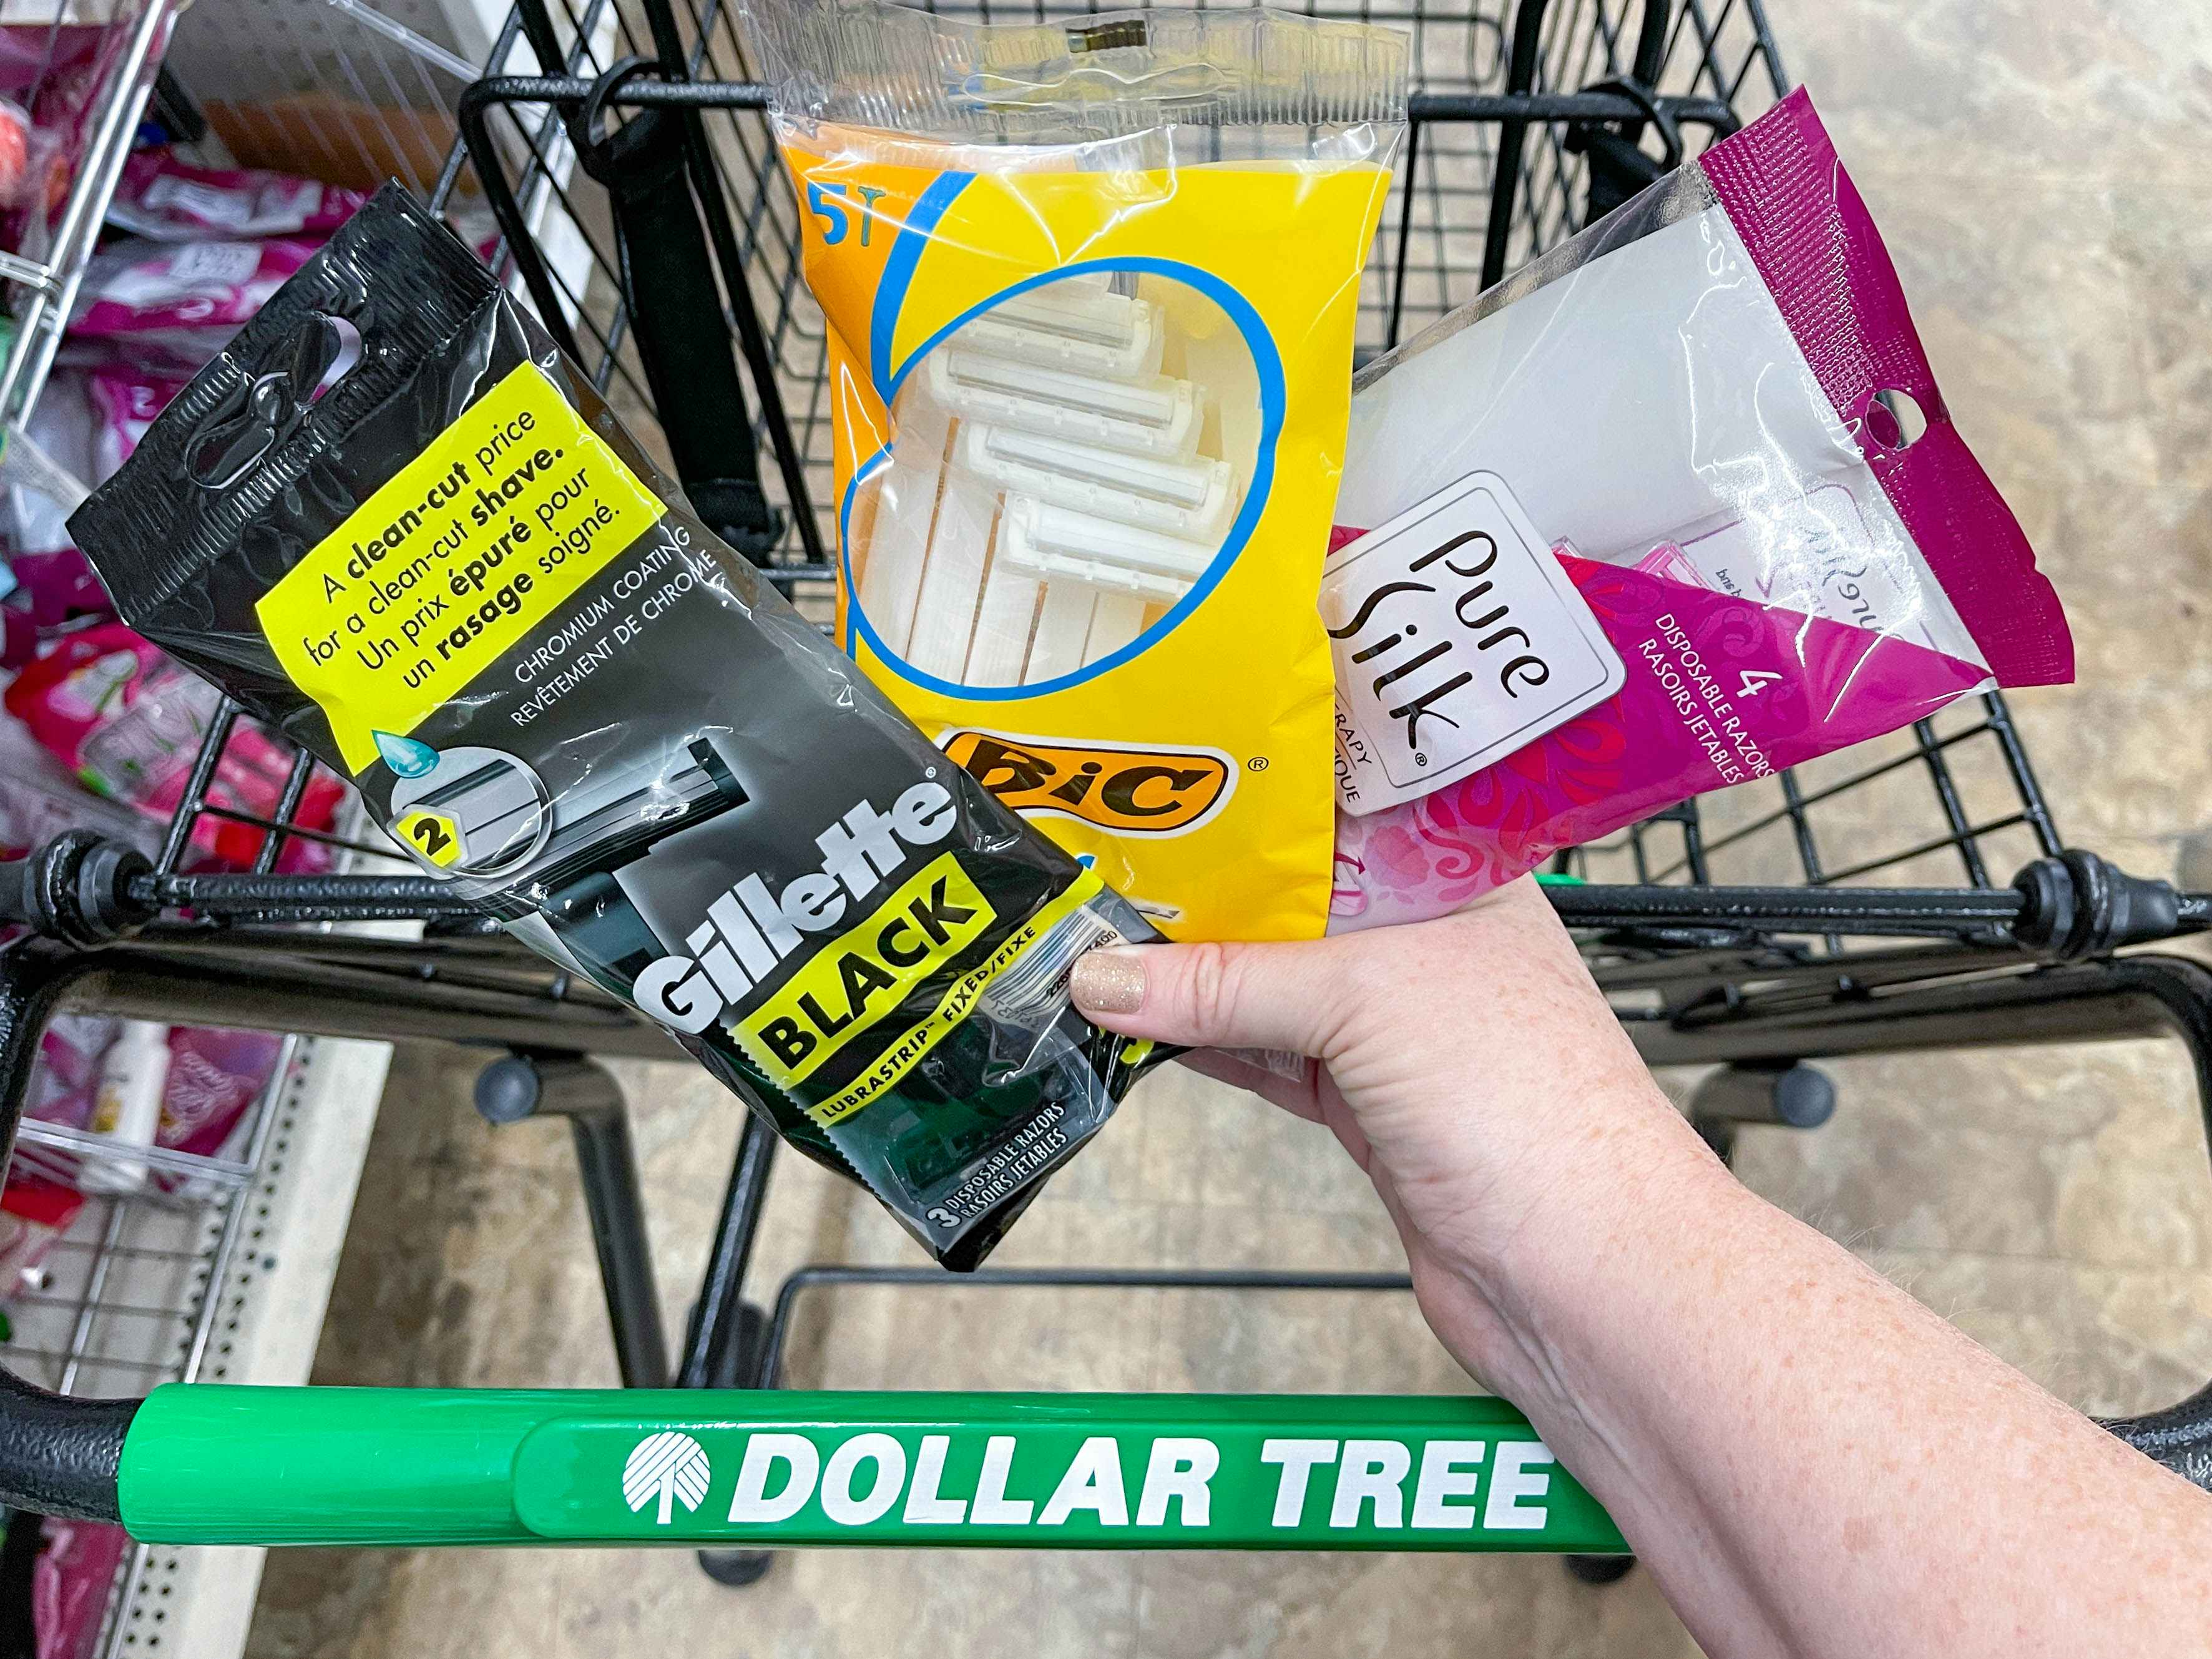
<point>669,1467</point>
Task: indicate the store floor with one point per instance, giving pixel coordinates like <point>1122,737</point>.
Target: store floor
<point>2037,172</point>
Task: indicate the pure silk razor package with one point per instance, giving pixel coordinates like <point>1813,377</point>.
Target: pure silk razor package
<point>1676,507</point>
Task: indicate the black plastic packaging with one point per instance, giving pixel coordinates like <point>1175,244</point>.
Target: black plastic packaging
<point>395,522</point>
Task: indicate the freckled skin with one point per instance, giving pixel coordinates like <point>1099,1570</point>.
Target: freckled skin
<point>1576,1247</point>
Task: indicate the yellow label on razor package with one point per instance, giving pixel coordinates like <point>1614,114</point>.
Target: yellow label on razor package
<point>1089,426</point>
<point>865,974</point>
<point>898,1058</point>
<point>433,835</point>
<point>469,546</point>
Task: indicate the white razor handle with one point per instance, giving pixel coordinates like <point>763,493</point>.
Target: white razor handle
<point>1089,331</point>
<point>1192,499</point>
<point>1115,621</point>
<point>1063,626</point>
<point>952,586</point>
<point>1056,545</point>
<point>1004,622</point>
<point>890,570</point>
<point>1151,416</point>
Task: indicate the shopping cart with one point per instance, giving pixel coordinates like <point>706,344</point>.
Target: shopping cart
<point>1732,931</point>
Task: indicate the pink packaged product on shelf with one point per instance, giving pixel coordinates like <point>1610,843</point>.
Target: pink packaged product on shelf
<point>1676,508</point>
<point>57,587</point>
<point>128,721</point>
<point>67,1076</point>
<point>15,150</point>
<point>214,1076</point>
<point>71,1583</point>
<point>51,590</point>
<point>55,74</point>
<point>166,199</point>
<point>197,1087</point>
<point>179,303</point>
<point>125,400</point>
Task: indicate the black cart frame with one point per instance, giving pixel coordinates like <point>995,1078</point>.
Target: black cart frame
<point>1530,121</point>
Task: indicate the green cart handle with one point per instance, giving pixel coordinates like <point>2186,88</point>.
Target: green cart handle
<point>198,1463</point>
<point>202,1463</point>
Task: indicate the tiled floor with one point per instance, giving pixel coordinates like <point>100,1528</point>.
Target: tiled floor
<point>2037,172</point>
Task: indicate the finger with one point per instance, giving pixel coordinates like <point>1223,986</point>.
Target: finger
<point>1217,996</point>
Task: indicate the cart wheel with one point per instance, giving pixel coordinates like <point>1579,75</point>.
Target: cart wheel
<point>1597,1568</point>
<point>736,1568</point>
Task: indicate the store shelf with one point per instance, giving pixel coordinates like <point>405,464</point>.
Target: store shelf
<point>47,281</point>
<point>229,1282</point>
<point>287,1231</point>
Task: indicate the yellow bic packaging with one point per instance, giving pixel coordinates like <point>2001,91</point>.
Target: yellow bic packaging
<point>1089,426</point>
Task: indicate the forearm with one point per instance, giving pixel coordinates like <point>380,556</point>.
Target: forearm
<point>1810,1463</point>
<point>1809,1460</point>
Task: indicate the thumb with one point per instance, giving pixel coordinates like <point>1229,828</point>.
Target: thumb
<point>1287,996</point>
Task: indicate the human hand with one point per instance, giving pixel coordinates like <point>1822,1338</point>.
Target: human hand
<point>1738,1393</point>
<point>1470,1066</point>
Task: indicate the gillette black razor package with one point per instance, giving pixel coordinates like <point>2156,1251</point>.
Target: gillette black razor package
<point>394,521</point>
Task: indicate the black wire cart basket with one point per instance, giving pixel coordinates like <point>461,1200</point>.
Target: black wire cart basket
<point>1911,894</point>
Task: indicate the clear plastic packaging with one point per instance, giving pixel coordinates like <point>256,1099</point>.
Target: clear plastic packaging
<point>1090,290</point>
<point>128,721</point>
<point>165,198</point>
<point>43,467</point>
<point>40,801</point>
<point>1677,506</point>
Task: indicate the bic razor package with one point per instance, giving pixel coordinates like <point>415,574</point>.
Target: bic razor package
<point>1090,290</point>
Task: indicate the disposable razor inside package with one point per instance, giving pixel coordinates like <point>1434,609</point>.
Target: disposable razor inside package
<point>453,576</point>
<point>1676,507</point>
<point>1090,291</point>
<point>1071,499</point>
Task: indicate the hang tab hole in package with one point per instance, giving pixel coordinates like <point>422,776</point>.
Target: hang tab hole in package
<point>1090,292</point>
<point>455,578</point>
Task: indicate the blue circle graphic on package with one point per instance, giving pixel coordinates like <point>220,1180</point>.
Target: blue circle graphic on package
<point>1071,466</point>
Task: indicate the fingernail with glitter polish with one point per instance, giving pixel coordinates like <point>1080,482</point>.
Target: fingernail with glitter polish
<point>1107,981</point>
